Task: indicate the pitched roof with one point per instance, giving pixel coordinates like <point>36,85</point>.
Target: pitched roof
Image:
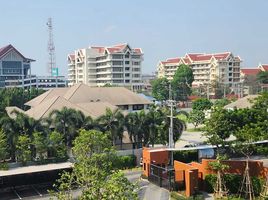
<point>47,95</point>
<point>264,67</point>
<point>242,103</point>
<point>4,50</point>
<point>81,93</point>
<point>118,48</point>
<point>250,71</point>
<point>54,103</point>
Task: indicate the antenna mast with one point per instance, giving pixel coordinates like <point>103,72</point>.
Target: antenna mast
<point>51,67</point>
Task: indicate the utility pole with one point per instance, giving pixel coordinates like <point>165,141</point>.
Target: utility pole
<point>171,103</point>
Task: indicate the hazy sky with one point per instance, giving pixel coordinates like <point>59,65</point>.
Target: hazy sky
<point>162,28</point>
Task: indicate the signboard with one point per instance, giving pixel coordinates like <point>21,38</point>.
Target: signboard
<point>55,71</point>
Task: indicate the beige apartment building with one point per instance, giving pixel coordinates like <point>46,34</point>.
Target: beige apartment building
<point>221,67</point>
<point>118,65</point>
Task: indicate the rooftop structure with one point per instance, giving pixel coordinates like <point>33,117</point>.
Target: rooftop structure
<point>92,101</point>
<point>116,65</point>
<point>245,102</point>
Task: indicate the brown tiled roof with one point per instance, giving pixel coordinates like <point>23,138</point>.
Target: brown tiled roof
<point>244,102</point>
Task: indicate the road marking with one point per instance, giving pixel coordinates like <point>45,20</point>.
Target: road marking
<point>16,193</point>
<point>37,191</point>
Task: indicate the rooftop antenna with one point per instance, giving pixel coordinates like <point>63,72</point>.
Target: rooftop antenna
<point>51,66</point>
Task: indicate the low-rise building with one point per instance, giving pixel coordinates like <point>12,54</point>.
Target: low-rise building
<point>92,101</point>
<point>118,65</point>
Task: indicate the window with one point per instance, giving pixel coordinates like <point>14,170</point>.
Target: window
<point>230,63</point>
<point>127,81</point>
<point>117,63</point>
<point>127,68</point>
<point>127,56</point>
<point>144,166</point>
<point>138,107</point>
<point>136,75</point>
<point>117,56</point>
<point>135,56</point>
<point>230,79</point>
<point>127,62</point>
<point>136,63</point>
<point>127,75</point>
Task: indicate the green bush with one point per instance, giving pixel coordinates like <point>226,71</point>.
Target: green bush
<point>176,196</point>
<point>4,166</point>
<point>233,183</point>
<point>126,162</point>
<point>186,156</point>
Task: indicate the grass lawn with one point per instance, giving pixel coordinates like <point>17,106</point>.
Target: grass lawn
<point>198,129</point>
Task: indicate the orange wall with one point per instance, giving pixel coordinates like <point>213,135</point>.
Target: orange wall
<point>187,173</point>
<point>256,168</point>
<point>157,158</point>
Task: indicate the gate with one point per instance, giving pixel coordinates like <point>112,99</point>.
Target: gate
<point>163,177</point>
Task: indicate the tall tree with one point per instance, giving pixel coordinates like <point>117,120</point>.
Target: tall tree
<point>160,89</point>
<point>262,77</point>
<point>23,149</point>
<point>94,171</point>
<point>56,144</point>
<point>202,104</point>
<point>40,143</point>
<point>64,121</point>
<point>182,83</point>
<point>112,122</point>
<point>3,146</point>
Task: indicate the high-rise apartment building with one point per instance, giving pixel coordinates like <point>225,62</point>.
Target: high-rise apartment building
<point>97,66</point>
<point>221,67</point>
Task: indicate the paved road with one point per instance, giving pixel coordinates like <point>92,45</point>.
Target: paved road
<point>148,191</point>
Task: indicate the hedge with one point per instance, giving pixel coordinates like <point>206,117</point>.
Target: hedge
<point>233,183</point>
<point>126,162</point>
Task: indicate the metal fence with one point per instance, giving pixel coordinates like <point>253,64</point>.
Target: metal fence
<point>163,177</point>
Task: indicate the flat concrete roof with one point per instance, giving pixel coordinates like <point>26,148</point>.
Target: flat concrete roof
<point>35,168</point>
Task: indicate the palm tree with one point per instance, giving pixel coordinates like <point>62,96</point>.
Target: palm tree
<point>112,123</point>
<point>136,125</point>
<point>154,118</point>
<point>178,126</point>
<point>84,122</point>
<point>11,129</point>
<point>64,121</point>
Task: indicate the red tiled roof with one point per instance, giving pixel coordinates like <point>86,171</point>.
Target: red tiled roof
<point>250,71</point>
<point>100,49</point>
<point>6,49</point>
<point>137,50</point>
<point>171,60</point>
<point>265,67</point>
<point>72,56</point>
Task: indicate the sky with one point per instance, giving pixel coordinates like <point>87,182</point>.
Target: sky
<point>163,29</point>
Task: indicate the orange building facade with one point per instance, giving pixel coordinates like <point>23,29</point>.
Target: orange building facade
<point>193,174</point>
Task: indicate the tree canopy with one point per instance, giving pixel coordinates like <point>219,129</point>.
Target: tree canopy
<point>160,89</point>
<point>182,83</point>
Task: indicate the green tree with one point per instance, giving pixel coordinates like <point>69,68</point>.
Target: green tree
<point>94,171</point>
<point>220,103</point>
<point>3,146</point>
<point>220,126</point>
<point>262,77</point>
<point>56,144</point>
<point>160,89</point>
<point>112,122</point>
<point>23,149</point>
<point>196,117</point>
<point>136,124</point>
<point>64,121</point>
<point>182,83</point>
<point>40,144</point>
<point>202,104</point>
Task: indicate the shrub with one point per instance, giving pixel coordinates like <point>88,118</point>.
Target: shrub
<point>233,183</point>
<point>3,166</point>
<point>126,162</point>
<point>176,196</point>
